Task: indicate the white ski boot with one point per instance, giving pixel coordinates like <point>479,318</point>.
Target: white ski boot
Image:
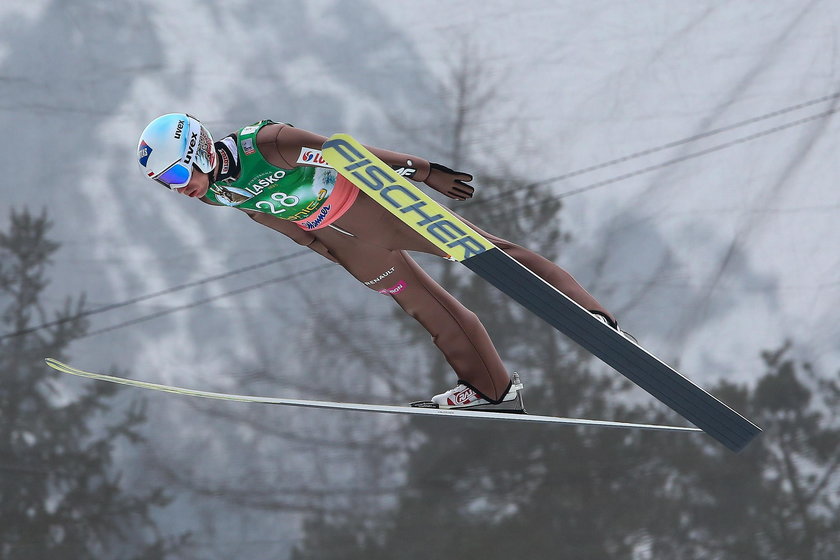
<point>464,397</point>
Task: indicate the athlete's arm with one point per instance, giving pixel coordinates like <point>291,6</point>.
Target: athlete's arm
<point>283,145</point>
<point>293,231</point>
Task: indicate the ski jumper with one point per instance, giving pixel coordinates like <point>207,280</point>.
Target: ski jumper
<point>275,173</point>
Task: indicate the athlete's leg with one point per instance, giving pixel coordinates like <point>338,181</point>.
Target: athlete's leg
<point>377,225</point>
<point>548,271</point>
<point>455,330</point>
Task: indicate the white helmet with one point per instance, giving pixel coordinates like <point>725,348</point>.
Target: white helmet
<point>171,145</point>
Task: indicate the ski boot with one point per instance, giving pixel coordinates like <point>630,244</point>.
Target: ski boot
<point>464,397</point>
<point>604,319</point>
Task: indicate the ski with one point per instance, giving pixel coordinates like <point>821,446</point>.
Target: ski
<point>363,407</point>
<point>462,243</point>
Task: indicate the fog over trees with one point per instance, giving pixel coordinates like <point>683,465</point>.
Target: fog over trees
<point>678,160</point>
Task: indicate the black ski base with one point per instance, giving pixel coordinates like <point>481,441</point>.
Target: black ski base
<point>631,360</point>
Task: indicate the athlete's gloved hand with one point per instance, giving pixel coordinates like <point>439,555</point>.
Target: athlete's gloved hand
<point>449,182</point>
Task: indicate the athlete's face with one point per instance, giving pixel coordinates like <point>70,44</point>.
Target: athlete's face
<point>198,185</point>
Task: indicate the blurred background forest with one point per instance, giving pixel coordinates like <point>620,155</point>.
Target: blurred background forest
<point>680,161</point>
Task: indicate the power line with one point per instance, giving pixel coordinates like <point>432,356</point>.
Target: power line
<point>139,299</point>
<point>642,153</point>
<point>196,303</point>
<point>669,162</point>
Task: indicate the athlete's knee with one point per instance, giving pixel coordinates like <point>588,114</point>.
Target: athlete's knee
<point>455,324</point>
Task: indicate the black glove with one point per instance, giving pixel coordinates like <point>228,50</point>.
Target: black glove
<point>449,182</point>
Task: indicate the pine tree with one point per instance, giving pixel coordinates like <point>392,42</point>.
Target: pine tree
<point>779,497</point>
<point>59,496</point>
